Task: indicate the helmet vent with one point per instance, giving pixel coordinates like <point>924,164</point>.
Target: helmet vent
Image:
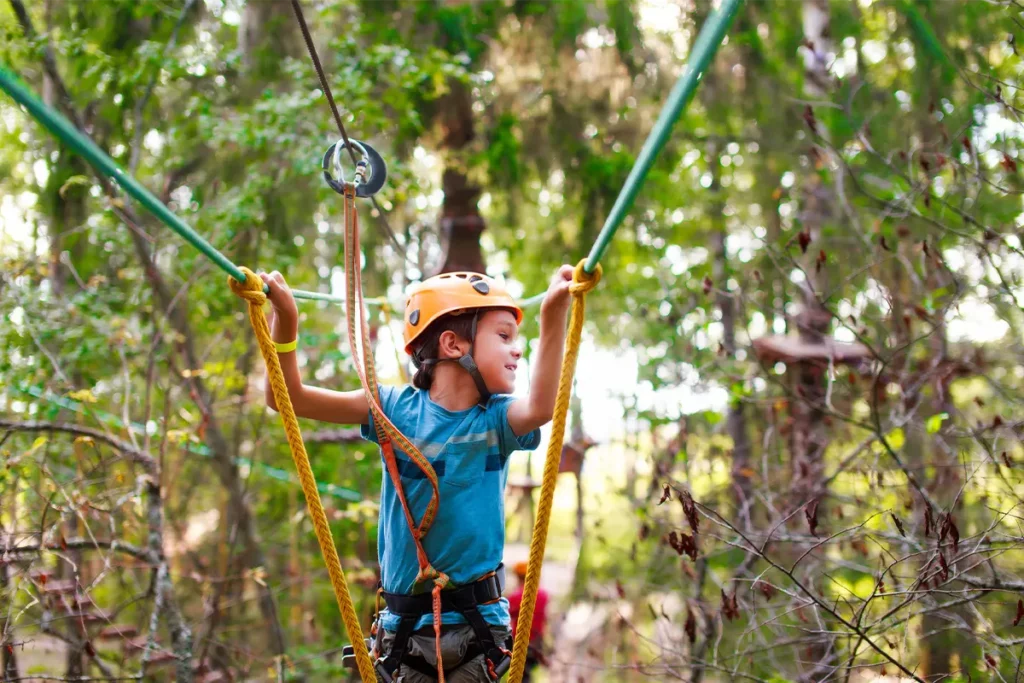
<point>481,287</point>
<point>414,318</point>
<point>461,275</point>
<point>475,278</point>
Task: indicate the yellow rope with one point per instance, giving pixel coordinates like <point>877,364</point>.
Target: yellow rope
<point>583,282</point>
<point>252,292</point>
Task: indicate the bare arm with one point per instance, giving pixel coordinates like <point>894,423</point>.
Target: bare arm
<point>315,403</point>
<point>527,414</point>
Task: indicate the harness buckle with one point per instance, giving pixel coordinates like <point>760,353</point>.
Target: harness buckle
<point>385,667</point>
<point>501,668</point>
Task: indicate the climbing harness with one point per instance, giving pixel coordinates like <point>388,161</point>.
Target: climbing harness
<point>388,437</point>
<point>370,173</point>
<point>465,600</point>
<point>454,294</point>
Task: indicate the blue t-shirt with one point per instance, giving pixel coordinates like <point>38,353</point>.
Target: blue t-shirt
<point>469,451</point>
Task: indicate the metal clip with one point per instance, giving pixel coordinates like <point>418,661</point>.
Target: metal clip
<point>366,185</point>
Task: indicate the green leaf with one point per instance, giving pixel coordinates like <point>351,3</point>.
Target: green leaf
<point>934,423</point>
<point>896,439</point>
<point>73,181</point>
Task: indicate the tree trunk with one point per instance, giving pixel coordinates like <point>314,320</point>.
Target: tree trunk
<point>935,452</point>
<point>809,437</point>
<point>736,421</point>
<point>8,658</point>
<point>267,33</point>
<point>461,222</point>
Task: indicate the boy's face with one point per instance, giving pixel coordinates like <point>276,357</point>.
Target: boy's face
<point>497,351</point>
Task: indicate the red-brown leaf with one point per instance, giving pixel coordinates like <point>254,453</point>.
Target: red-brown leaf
<point>804,238</point>
<point>809,119</point>
<point>949,528</point>
<point>1020,612</point>
<point>691,627</point>
<point>665,494</point>
<point>684,544</point>
<point>730,610</point>
<point>899,524</point>
<point>708,284</point>
<point>690,510</point>
<point>811,514</point>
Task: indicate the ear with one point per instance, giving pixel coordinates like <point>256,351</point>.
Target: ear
<point>450,345</point>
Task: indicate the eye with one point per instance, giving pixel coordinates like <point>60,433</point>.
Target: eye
<point>504,335</point>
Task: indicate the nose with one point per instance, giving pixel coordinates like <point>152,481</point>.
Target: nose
<point>517,352</point>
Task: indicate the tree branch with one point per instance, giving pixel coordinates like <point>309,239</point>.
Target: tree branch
<point>136,455</point>
<point>222,459</point>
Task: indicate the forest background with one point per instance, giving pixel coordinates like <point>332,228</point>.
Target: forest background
<point>799,387</point>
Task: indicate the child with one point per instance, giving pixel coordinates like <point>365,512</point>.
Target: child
<point>461,332</point>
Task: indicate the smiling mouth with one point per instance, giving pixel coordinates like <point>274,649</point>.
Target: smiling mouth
<point>511,367</point>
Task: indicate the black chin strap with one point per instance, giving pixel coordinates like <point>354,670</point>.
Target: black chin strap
<point>467,363</point>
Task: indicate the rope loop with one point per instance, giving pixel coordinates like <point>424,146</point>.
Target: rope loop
<point>582,281</point>
<point>251,290</point>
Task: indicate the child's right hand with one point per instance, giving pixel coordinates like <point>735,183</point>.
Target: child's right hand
<point>281,299</point>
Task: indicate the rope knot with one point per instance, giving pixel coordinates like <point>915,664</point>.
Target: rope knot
<point>428,573</point>
<point>582,281</point>
<point>251,290</point>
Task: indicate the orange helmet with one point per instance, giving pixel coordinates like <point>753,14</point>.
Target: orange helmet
<point>520,569</point>
<point>452,293</point>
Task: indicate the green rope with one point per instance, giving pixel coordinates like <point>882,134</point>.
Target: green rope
<point>78,141</point>
<point>194,448</point>
<point>704,49</point>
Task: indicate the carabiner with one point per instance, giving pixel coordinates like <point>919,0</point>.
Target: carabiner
<point>371,161</point>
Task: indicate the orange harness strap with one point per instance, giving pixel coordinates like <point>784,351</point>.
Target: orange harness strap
<point>386,431</point>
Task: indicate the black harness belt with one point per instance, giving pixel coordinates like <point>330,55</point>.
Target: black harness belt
<point>464,600</point>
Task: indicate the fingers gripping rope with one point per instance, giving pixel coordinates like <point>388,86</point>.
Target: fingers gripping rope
<point>252,291</point>
<point>582,282</point>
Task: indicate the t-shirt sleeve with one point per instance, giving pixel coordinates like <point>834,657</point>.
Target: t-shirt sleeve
<point>388,395</point>
<point>507,439</point>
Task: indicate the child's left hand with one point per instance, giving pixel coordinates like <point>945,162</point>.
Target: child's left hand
<point>556,299</point>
